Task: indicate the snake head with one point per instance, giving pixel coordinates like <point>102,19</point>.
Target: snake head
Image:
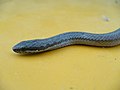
<point>29,46</point>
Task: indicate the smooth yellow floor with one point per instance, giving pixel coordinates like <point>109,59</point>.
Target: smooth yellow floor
<point>70,68</point>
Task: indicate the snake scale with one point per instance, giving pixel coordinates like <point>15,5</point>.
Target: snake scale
<point>66,39</point>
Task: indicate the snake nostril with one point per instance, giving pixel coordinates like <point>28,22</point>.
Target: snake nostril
<point>15,50</point>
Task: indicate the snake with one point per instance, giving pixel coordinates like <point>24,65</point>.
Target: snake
<point>109,39</point>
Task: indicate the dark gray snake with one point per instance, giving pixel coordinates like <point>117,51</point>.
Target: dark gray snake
<point>66,39</point>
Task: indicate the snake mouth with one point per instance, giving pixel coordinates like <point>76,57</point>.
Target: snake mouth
<point>26,50</point>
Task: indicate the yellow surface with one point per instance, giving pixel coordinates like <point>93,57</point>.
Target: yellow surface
<point>69,68</point>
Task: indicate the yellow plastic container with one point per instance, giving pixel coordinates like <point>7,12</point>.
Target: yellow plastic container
<point>70,68</point>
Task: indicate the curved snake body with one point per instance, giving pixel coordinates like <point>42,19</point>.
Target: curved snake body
<point>66,39</point>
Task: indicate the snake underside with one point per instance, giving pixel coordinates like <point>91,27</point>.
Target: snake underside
<point>66,39</point>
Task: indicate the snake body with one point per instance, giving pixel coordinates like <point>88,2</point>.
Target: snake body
<point>66,39</point>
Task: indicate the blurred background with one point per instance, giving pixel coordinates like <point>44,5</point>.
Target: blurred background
<point>70,68</point>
